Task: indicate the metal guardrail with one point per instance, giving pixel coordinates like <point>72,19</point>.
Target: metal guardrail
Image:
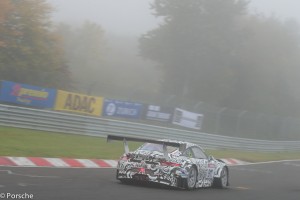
<point>53,121</point>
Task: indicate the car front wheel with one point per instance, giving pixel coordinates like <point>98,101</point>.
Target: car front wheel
<point>222,181</point>
<point>192,179</point>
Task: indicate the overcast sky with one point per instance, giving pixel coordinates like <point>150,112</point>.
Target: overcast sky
<point>133,17</point>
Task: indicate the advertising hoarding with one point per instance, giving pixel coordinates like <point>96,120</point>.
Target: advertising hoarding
<point>123,109</point>
<point>187,119</point>
<point>79,103</point>
<point>27,95</point>
<point>157,113</point>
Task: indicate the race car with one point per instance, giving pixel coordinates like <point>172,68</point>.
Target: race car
<point>170,162</point>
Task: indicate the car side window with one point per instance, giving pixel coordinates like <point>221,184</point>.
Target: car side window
<point>198,153</point>
<point>188,153</point>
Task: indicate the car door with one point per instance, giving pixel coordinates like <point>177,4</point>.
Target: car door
<point>201,160</point>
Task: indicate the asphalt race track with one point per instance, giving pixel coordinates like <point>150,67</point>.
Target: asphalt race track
<point>266,181</point>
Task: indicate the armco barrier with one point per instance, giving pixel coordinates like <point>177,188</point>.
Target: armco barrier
<point>14,116</point>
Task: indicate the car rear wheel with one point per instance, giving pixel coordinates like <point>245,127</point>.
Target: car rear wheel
<point>122,180</point>
<point>117,177</point>
<point>221,182</point>
<point>192,179</point>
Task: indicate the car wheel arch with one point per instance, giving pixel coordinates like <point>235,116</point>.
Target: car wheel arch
<point>217,181</point>
<point>193,166</point>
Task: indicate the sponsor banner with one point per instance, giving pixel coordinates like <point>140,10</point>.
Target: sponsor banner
<point>27,95</point>
<point>187,119</point>
<point>158,113</point>
<point>125,109</point>
<point>79,103</point>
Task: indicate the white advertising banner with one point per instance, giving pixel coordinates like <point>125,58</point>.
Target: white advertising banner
<point>187,119</point>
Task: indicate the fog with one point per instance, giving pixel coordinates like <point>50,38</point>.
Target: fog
<point>119,17</point>
<point>242,61</point>
<point>134,17</point>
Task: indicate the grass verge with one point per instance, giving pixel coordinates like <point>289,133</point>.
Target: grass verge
<point>25,142</point>
<point>252,156</point>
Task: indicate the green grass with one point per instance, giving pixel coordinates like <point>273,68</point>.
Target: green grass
<point>252,156</point>
<point>25,142</point>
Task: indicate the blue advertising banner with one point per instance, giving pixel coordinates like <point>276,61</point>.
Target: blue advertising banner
<point>27,95</point>
<point>116,108</point>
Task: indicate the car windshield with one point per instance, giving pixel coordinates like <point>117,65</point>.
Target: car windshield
<point>157,147</point>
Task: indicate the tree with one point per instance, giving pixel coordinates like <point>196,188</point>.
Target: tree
<point>195,46</point>
<point>32,52</point>
<point>267,67</point>
<point>214,51</point>
<point>85,47</point>
<point>107,65</point>
<point>5,8</point>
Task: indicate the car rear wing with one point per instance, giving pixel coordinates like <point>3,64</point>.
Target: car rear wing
<point>181,146</point>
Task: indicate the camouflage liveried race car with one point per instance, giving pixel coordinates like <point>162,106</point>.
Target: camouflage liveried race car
<point>174,163</point>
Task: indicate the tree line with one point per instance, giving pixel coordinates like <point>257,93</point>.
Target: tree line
<point>211,51</point>
<point>215,51</point>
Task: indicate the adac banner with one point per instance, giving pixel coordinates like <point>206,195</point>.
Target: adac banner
<point>79,103</point>
<point>158,113</point>
<point>27,95</point>
<point>123,109</point>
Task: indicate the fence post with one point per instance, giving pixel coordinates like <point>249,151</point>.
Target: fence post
<point>240,115</point>
<point>258,118</point>
<point>169,99</point>
<point>197,105</point>
<point>219,119</point>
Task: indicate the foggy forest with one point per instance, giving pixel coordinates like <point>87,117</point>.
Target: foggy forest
<point>209,52</point>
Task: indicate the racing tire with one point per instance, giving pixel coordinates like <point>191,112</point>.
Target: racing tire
<point>124,181</point>
<point>190,182</point>
<point>117,174</point>
<point>222,181</point>
<point>120,179</point>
